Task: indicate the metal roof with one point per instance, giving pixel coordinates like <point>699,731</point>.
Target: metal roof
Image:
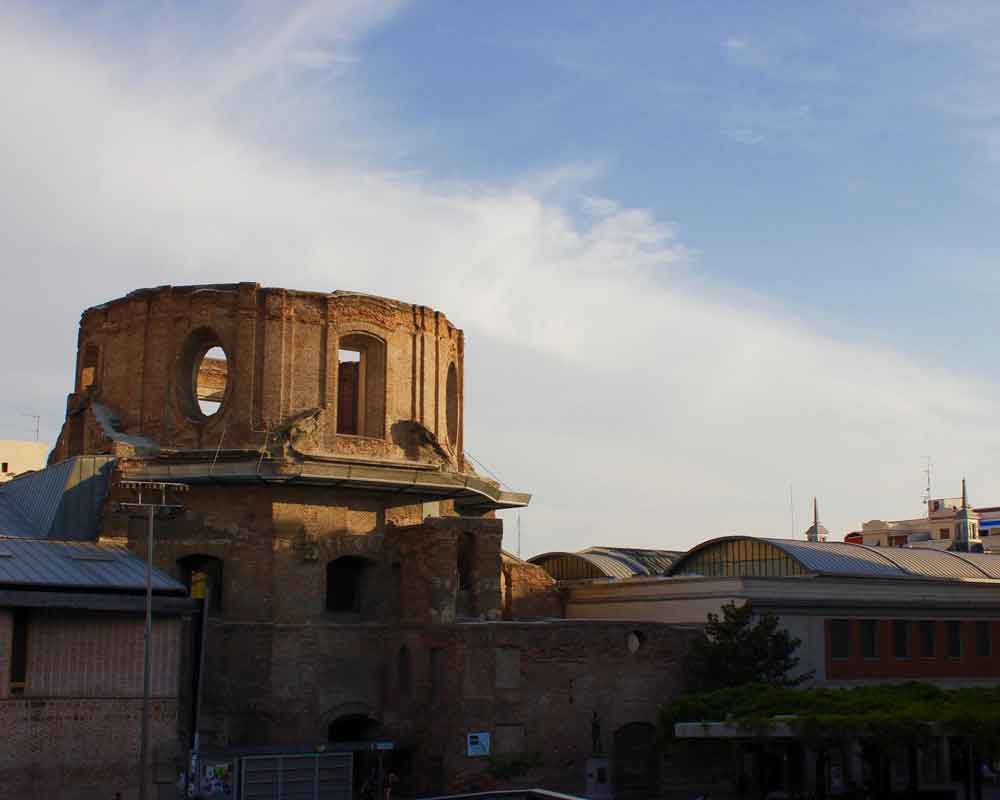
<point>854,560</point>
<point>42,563</point>
<point>612,562</point>
<point>62,501</point>
<point>836,558</point>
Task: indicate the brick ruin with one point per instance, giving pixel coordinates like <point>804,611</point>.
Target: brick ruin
<point>352,554</point>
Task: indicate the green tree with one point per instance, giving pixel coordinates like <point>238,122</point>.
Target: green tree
<point>740,647</point>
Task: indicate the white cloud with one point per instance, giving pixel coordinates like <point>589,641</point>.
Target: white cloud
<point>642,405</point>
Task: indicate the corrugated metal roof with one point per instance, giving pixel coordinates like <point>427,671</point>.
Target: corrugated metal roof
<point>853,560</point>
<point>614,562</point>
<point>44,563</point>
<point>987,562</point>
<point>648,562</point>
<point>61,501</point>
<point>837,558</point>
<point>933,563</point>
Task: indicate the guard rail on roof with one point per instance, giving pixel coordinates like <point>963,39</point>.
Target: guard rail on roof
<point>511,794</point>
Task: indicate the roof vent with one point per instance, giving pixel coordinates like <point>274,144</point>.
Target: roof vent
<point>92,557</point>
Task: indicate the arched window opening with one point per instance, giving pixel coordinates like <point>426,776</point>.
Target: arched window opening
<point>404,672</point>
<point>353,728</point>
<point>361,386</point>
<point>88,367</point>
<point>451,405</point>
<point>346,580</point>
<point>203,576</point>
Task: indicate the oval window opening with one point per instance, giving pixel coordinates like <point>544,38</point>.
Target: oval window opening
<point>211,379</point>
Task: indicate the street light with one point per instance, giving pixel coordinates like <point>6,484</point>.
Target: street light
<point>151,507</point>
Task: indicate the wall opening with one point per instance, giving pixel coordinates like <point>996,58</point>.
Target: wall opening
<point>361,386</point>
<point>203,379</point>
<point>88,367</point>
<point>451,405</point>
<point>353,728</point>
<point>346,582</point>
<point>211,379</point>
<point>404,670</point>
<point>19,652</point>
<point>203,576</point>
<point>464,601</point>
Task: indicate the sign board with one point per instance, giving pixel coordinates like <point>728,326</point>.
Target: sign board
<point>477,744</point>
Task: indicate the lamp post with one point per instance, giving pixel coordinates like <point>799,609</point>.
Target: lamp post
<point>149,508</point>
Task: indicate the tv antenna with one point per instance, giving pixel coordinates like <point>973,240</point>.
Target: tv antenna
<point>791,508</point>
<point>36,418</point>
<point>927,490</point>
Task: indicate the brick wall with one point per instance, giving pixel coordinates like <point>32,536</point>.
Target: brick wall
<point>886,665</point>
<point>528,591</point>
<point>78,748</point>
<point>86,654</point>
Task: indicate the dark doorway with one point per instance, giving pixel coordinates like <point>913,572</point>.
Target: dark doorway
<point>636,762</point>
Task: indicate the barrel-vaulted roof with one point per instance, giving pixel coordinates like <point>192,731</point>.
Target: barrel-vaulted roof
<point>606,562</point>
<point>748,556</point>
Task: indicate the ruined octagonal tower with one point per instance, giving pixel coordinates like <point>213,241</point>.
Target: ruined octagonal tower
<point>330,501</point>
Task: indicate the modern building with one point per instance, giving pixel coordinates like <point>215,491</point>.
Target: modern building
<point>359,599</point>
<point>17,456</point>
<point>950,523</point>
<point>862,613</point>
<point>71,670</point>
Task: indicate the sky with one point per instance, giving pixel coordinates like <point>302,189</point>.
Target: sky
<point>711,259</point>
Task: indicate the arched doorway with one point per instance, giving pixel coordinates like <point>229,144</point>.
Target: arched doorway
<point>636,762</point>
<point>353,732</point>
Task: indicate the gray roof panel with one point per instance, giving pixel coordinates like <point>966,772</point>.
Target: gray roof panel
<point>838,558</point>
<point>41,563</point>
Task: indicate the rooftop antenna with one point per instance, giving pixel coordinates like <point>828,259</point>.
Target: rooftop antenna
<point>927,491</point>
<point>36,418</point>
<point>518,534</point>
<point>791,508</point>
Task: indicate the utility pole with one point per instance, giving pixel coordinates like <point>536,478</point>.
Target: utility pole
<point>148,508</point>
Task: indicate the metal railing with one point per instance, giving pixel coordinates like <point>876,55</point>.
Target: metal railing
<point>509,794</point>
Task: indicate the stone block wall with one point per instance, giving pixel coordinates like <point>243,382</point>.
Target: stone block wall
<point>528,591</point>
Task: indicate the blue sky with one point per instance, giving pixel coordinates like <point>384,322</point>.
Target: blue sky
<point>700,250</point>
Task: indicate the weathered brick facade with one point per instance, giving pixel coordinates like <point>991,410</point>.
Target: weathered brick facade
<point>73,732</point>
<point>354,554</point>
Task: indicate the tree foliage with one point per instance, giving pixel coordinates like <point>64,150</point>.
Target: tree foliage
<point>740,647</point>
<point>899,714</point>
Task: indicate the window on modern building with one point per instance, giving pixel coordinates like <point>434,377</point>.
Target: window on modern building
<point>4,466</point>
<point>897,541</point>
<point>954,628</point>
<point>945,533</point>
<point>203,576</point>
<point>984,639</point>
<point>345,579</point>
<point>927,636</point>
<point>901,638</point>
<point>840,639</point>
<point>404,670</point>
<point>869,638</point>
<point>19,652</point>
<point>361,386</point>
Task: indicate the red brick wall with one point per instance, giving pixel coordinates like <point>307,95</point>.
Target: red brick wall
<point>887,665</point>
<point>78,749</point>
<point>87,654</point>
<point>528,591</point>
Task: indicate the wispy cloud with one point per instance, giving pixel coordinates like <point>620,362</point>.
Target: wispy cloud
<point>639,407</point>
